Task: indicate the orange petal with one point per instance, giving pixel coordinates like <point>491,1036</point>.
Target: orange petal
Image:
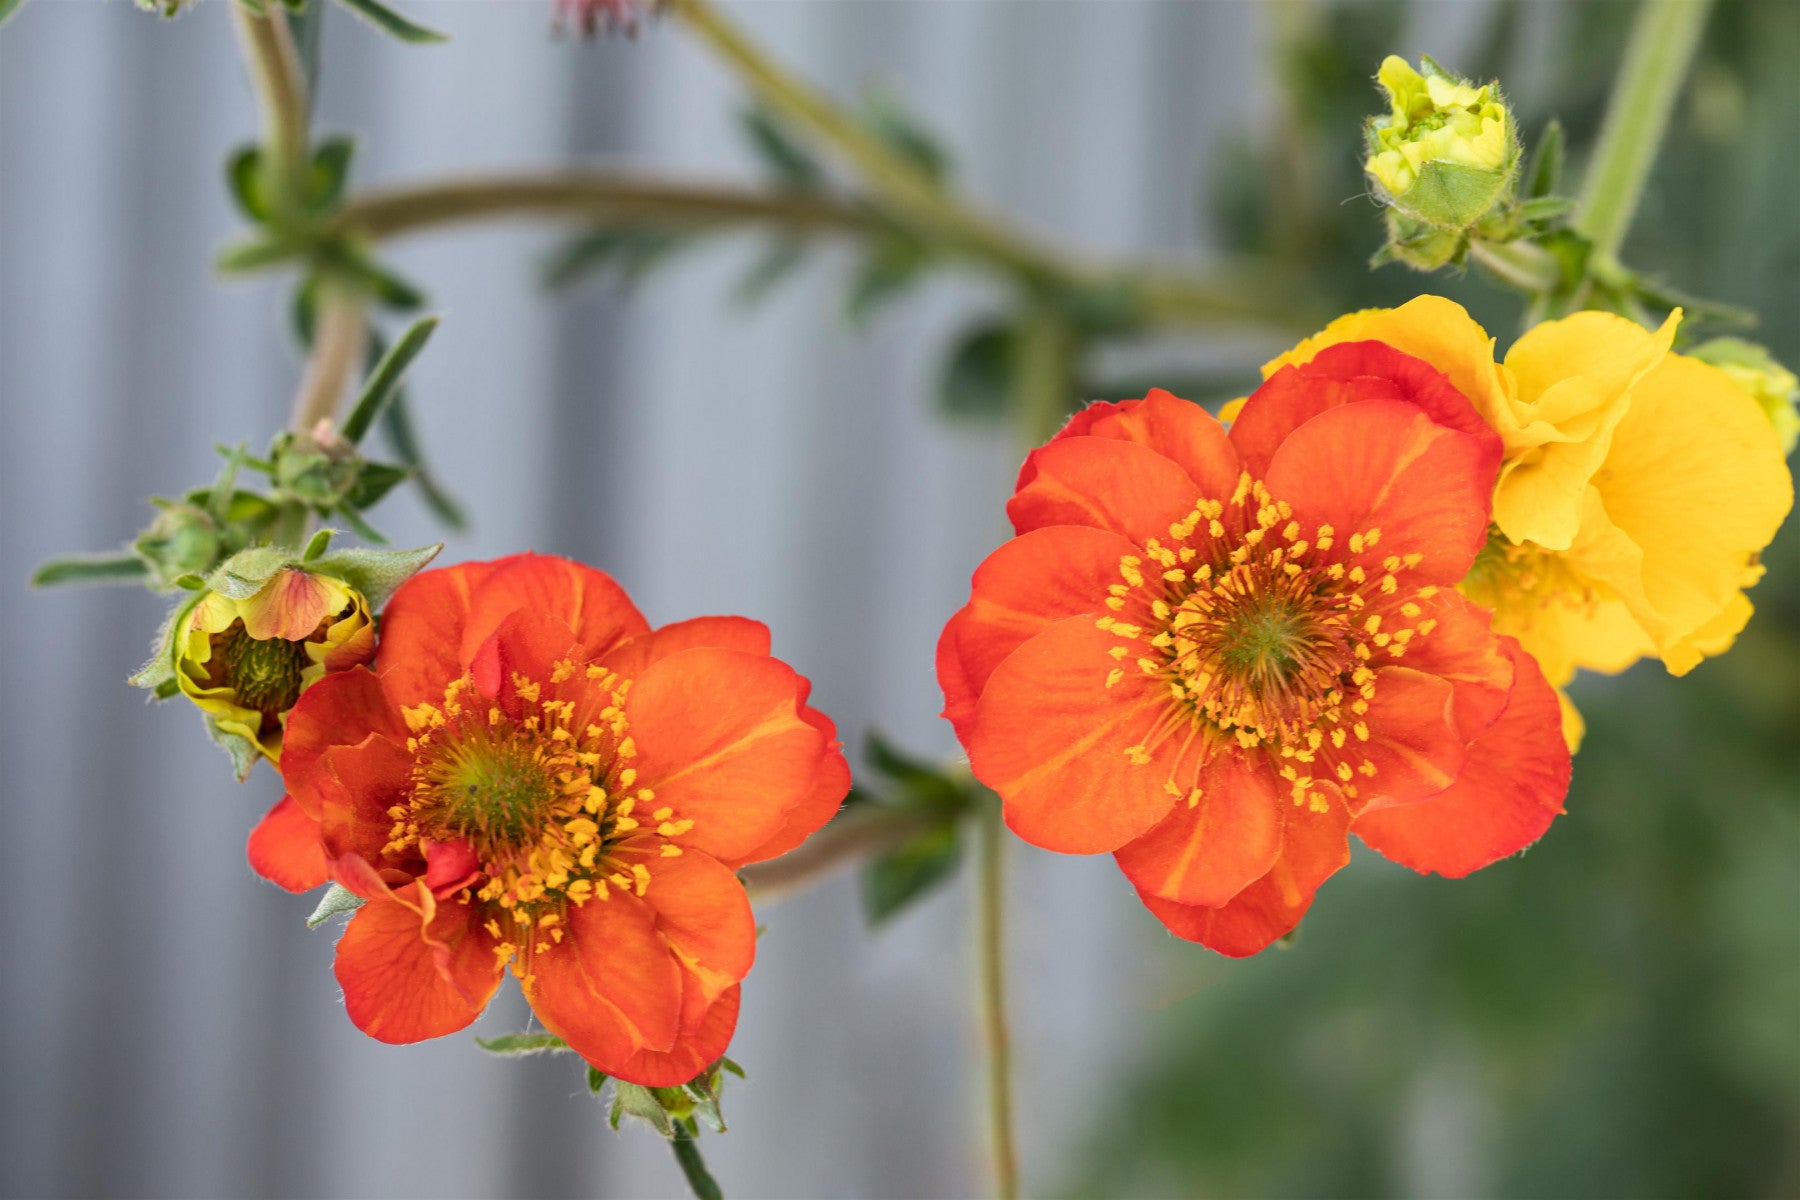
<point>611,987</point>
<point>1414,743</point>
<point>1510,790</point>
<point>405,980</point>
<point>1029,583</point>
<point>340,710</point>
<point>285,848</point>
<point>631,658</point>
<point>290,605</point>
<point>720,739</point>
<point>831,783</point>
<point>1051,738</point>
<point>697,1047</point>
<point>586,600</point>
<point>422,630</point>
<point>526,646</point>
<point>1313,848</point>
<point>353,787</point>
<point>1385,465</point>
<point>1104,483</point>
<point>1208,851</point>
<point>1344,374</point>
<point>1180,431</point>
<point>1463,650</point>
<point>703,912</point>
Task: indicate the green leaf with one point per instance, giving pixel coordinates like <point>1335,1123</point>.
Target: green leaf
<point>330,170</point>
<point>255,254</point>
<point>243,178</point>
<point>358,524</point>
<point>91,568</point>
<point>241,750</point>
<point>8,8</point>
<point>1545,173</point>
<point>375,481</point>
<point>771,269</point>
<point>596,1079</point>
<point>629,252</point>
<point>791,165</point>
<point>386,377</point>
<point>317,545</point>
<point>898,879</point>
<point>977,383</point>
<point>391,22</point>
<point>634,1100</point>
<point>513,1045</point>
<point>377,574</point>
<point>337,899</point>
<point>1545,208</point>
<point>905,136</point>
<point>892,266</point>
<point>397,428</point>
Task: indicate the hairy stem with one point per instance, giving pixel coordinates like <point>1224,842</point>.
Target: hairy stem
<point>280,88</point>
<point>340,339</point>
<point>991,902</point>
<point>693,1167</point>
<point>859,834</point>
<point>1664,37</point>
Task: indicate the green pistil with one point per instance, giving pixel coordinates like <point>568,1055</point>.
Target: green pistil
<point>262,674</point>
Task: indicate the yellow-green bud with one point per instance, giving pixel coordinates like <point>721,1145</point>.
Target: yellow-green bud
<point>183,540</point>
<point>1770,384</point>
<point>1447,155</point>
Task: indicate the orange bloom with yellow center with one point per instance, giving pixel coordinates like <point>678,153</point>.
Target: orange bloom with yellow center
<point>1216,655</point>
<point>536,779</point>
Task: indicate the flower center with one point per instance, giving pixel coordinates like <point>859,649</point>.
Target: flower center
<point>1263,637</point>
<point>263,674</point>
<point>543,800</point>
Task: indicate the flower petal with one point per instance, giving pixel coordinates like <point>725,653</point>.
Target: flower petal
<point>1313,848</point>
<point>285,848</point>
<point>422,630</point>
<point>585,600</point>
<point>696,1048</point>
<point>721,740</point>
<point>340,710</point>
<point>703,912</point>
<point>1208,851</point>
<point>409,976</point>
<point>831,783</point>
<point>611,987</point>
<point>1463,650</point>
<point>1104,483</point>
<point>1029,583</point>
<point>1384,465</point>
<point>291,605</point>
<point>1414,746</point>
<point>1511,788</point>
<point>631,658</point>
<point>1177,429</point>
<point>1051,738</point>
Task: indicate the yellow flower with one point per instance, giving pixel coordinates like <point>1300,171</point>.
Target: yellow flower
<point>245,661</point>
<point>1639,486</point>
<point>1770,384</point>
<point>1447,153</point>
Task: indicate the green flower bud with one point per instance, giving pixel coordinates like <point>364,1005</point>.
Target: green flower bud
<point>1770,384</point>
<point>1447,155</point>
<point>183,540</point>
<point>317,472</point>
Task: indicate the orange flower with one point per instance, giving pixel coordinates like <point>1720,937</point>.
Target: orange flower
<point>536,778</point>
<point>1217,655</point>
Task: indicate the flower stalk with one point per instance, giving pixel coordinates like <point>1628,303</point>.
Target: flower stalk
<point>280,88</point>
<point>1664,37</point>
<point>859,835</point>
<point>991,902</point>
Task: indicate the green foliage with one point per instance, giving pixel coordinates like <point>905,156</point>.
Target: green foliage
<point>514,1045</point>
<point>978,379</point>
<point>937,802</point>
<point>337,899</point>
<point>384,380</point>
<point>392,23</point>
<point>628,253</point>
<point>91,568</point>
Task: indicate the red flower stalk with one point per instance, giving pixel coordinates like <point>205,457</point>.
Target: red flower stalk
<point>537,779</point>
<point>1216,655</point>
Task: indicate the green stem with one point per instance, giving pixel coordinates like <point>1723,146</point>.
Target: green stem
<point>991,900</point>
<point>1664,36</point>
<point>1047,351</point>
<point>280,86</point>
<point>693,1167</point>
<point>1521,264</point>
<point>590,195</point>
<point>858,835</point>
<point>340,338</point>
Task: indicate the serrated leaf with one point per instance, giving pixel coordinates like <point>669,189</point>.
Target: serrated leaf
<point>244,180</point>
<point>377,574</point>
<point>379,388</point>
<point>896,880</point>
<point>337,899</point>
<point>1545,174</point>
<point>977,383</point>
<point>91,568</point>
<point>791,165</point>
<point>513,1045</point>
<point>391,22</point>
<point>241,750</point>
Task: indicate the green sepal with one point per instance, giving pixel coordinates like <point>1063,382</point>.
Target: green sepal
<point>245,573</point>
<point>1454,196</point>
<point>596,1079</point>
<point>242,751</point>
<point>391,22</point>
<point>337,899</point>
<point>1420,246</point>
<point>977,380</point>
<point>91,568</point>
<point>158,673</point>
<point>516,1045</point>
<point>377,574</point>
<point>317,544</point>
<point>635,1100</point>
<point>379,388</point>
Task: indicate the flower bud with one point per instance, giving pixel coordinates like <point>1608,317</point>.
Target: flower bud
<point>244,661</point>
<point>1770,384</point>
<point>1444,158</point>
<point>182,540</point>
<point>318,468</point>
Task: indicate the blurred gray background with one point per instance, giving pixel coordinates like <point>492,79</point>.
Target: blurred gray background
<point>169,1026</point>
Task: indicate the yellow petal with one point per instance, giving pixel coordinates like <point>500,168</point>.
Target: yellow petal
<point>1573,727</point>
